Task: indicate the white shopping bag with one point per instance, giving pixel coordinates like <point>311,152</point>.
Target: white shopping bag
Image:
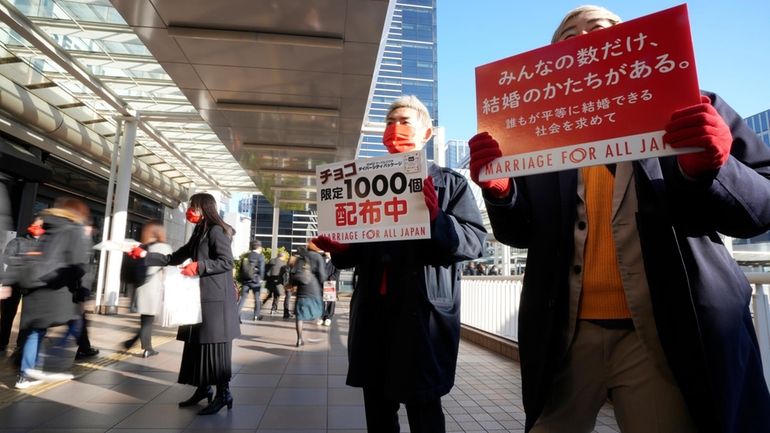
<point>181,299</point>
<point>330,291</point>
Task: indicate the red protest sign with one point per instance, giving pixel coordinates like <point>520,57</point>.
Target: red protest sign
<point>601,97</point>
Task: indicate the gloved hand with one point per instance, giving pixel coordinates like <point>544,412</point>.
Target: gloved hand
<point>137,253</point>
<point>699,126</point>
<point>329,245</point>
<point>484,149</point>
<point>431,199</point>
<point>191,270</point>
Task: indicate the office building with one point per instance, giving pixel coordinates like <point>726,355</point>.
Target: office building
<point>457,151</point>
<point>407,66</point>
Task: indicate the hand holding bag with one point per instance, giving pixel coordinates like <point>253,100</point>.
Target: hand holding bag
<point>181,299</point>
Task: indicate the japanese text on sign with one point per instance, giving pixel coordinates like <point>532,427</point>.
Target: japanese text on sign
<point>620,84</point>
<point>377,199</point>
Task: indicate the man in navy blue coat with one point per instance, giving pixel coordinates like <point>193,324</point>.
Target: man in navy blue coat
<point>676,351</point>
<point>405,311</point>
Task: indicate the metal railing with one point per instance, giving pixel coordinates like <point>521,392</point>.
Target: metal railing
<point>491,304</point>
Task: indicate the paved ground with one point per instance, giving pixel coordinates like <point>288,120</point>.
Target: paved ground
<point>276,387</point>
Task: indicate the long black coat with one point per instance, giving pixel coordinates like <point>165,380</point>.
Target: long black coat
<point>63,262</point>
<point>210,247</point>
<point>407,340</point>
<point>699,295</point>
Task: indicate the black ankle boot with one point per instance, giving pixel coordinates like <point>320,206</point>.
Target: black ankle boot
<point>223,398</point>
<point>200,393</point>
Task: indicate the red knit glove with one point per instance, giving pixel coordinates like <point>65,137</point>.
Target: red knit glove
<point>431,199</point>
<point>191,270</point>
<point>484,149</point>
<point>699,126</point>
<point>137,253</point>
<point>329,245</point>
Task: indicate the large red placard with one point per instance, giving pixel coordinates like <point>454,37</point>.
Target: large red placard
<point>601,97</point>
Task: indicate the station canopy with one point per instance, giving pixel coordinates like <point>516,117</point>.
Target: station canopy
<point>235,95</point>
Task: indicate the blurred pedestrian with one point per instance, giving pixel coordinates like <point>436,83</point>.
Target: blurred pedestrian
<point>18,246</point>
<point>308,274</point>
<point>149,294</point>
<point>51,272</point>
<point>332,276</point>
<point>276,279</point>
<point>252,271</point>
<point>207,352</point>
<point>81,291</point>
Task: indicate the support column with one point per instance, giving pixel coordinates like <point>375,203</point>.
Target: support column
<point>439,146</point>
<point>506,268</point>
<point>274,235</point>
<point>120,218</point>
<point>762,326</point>
<point>108,215</point>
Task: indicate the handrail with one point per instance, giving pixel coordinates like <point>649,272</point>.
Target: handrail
<point>490,303</point>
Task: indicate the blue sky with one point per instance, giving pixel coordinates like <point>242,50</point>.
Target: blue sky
<point>731,42</point>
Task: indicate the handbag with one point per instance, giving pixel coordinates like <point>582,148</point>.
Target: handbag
<point>181,299</point>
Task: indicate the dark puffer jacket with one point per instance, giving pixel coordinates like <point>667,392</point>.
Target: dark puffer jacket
<point>59,267</point>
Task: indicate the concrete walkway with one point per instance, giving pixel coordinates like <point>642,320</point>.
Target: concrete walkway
<point>276,387</point>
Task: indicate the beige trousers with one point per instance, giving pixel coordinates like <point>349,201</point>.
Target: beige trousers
<point>612,363</point>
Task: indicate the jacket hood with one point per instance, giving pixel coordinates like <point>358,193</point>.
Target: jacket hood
<point>62,213</point>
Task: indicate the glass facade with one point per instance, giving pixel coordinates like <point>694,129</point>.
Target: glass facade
<point>457,152</point>
<point>407,67</point>
<point>295,228</point>
<point>760,123</point>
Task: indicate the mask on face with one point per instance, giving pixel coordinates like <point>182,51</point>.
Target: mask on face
<point>35,230</point>
<point>193,216</point>
<point>399,138</point>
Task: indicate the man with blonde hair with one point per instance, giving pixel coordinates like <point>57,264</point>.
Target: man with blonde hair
<point>405,311</point>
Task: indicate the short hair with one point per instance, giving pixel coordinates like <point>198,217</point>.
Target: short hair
<point>78,207</point>
<point>411,101</point>
<point>153,229</point>
<point>253,245</point>
<point>614,19</point>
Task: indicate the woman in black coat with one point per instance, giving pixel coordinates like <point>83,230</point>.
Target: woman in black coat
<point>207,354</point>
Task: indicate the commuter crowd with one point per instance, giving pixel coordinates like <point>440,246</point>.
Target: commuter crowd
<point>629,293</point>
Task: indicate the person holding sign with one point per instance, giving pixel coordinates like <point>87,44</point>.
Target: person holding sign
<point>405,310</point>
<point>629,292</point>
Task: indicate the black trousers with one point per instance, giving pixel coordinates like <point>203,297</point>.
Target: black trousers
<point>382,414</point>
<point>8,308</point>
<point>84,343</point>
<point>329,307</point>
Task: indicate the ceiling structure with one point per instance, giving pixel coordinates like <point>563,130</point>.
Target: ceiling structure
<point>282,83</point>
<point>235,95</point>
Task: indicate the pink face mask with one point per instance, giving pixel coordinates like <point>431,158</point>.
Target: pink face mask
<point>193,216</point>
<point>399,138</point>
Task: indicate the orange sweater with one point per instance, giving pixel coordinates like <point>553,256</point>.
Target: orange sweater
<point>603,295</point>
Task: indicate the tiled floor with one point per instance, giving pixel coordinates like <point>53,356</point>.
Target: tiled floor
<point>276,387</point>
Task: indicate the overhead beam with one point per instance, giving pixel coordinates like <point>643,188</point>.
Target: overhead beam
<point>280,172</point>
<point>277,109</point>
<point>255,37</point>
<point>263,147</point>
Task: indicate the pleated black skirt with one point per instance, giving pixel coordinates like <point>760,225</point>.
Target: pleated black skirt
<point>206,364</point>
